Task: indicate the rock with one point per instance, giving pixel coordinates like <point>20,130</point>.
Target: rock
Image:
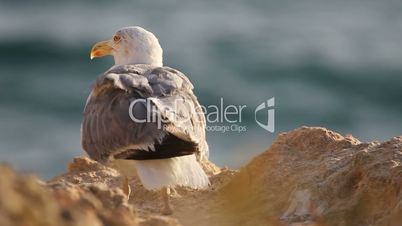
<point>91,184</point>
<point>159,221</point>
<point>313,176</point>
<point>80,197</point>
<point>309,176</point>
<point>23,201</point>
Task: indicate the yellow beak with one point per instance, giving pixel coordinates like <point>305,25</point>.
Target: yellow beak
<point>101,49</point>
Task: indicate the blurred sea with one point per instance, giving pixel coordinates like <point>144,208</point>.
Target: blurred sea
<point>336,64</point>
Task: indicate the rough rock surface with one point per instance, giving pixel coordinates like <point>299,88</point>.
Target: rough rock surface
<point>309,176</point>
<point>313,176</point>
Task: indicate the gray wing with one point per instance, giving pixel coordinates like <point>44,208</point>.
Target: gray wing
<point>108,130</point>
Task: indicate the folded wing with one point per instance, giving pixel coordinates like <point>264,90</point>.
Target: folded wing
<point>170,121</point>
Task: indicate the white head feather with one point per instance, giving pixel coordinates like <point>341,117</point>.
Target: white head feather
<point>135,45</point>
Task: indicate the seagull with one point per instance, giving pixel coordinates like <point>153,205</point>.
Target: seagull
<point>142,116</point>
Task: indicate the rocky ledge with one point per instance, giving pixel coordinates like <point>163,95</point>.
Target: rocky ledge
<point>309,176</point>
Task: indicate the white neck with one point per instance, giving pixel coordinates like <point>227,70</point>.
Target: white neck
<point>139,59</point>
<point>147,53</point>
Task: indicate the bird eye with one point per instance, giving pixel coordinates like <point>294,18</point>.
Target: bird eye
<point>116,38</point>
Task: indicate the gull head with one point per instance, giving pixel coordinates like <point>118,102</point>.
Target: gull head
<point>131,45</point>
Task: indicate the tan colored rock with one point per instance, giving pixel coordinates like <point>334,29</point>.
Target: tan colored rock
<point>309,177</point>
<point>24,202</point>
<point>313,176</point>
<point>97,186</point>
<point>80,197</point>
